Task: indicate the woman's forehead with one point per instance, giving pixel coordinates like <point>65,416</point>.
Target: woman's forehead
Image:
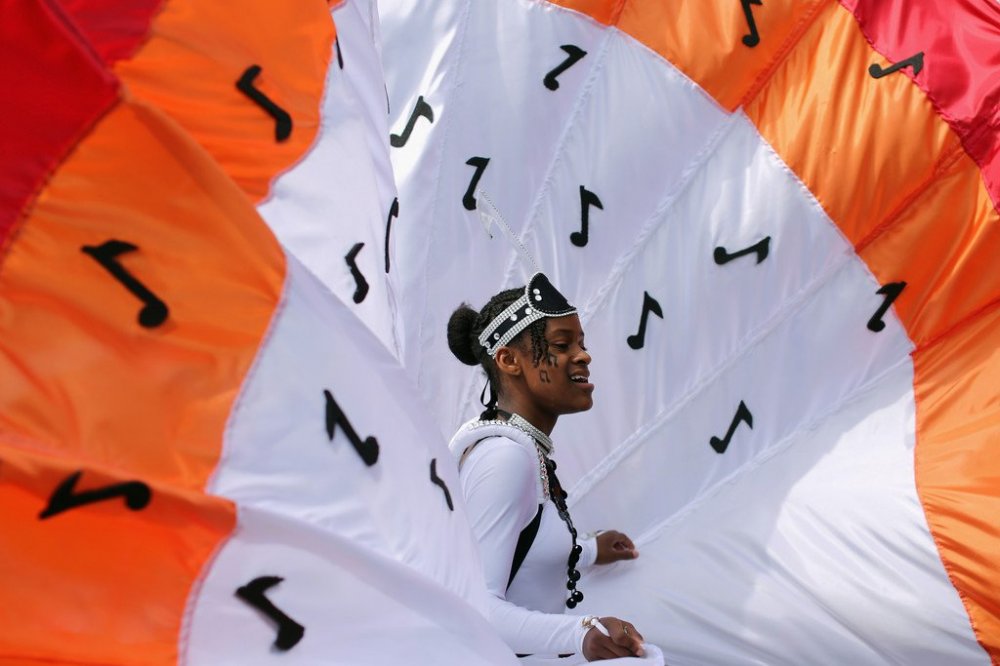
<point>569,324</point>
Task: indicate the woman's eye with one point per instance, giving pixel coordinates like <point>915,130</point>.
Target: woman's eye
<point>561,346</point>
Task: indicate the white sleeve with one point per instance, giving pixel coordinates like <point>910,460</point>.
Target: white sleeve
<point>498,481</point>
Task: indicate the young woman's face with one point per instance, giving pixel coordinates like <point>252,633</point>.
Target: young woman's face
<point>560,382</point>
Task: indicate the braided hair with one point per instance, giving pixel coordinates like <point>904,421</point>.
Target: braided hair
<point>465,325</point>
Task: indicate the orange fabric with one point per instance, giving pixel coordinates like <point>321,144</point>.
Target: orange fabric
<point>77,368</point>
<point>704,39</point>
<point>98,584</point>
<point>950,268</point>
<point>861,166</point>
<point>957,466</point>
<point>895,179</point>
<point>197,51</point>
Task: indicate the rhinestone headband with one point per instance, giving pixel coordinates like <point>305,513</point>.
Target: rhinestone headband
<point>540,300</point>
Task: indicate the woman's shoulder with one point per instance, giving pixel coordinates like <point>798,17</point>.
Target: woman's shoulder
<point>498,434</point>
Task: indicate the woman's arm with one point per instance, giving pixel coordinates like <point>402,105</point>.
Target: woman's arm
<point>500,488</point>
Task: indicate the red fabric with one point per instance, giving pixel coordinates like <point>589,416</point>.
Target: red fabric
<point>115,29</point>
<point>960,40</point>
<point>54,90</point>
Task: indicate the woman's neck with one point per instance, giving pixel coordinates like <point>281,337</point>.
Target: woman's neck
<point>541,420</point>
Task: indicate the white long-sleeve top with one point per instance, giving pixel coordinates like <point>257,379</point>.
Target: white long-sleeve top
<point>502,486</point>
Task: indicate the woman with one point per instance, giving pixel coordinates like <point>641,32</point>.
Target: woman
<point>530,343</point>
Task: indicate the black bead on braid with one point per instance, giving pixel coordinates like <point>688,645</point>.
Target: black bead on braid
<point>465,326</point>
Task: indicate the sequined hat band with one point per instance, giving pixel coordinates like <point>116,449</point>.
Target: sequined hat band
<point>540,300</point>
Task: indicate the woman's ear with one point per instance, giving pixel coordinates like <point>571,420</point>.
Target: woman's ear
<point>507,362</point>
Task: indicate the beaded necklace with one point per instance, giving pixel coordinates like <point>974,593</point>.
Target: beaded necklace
<point>553,490</point>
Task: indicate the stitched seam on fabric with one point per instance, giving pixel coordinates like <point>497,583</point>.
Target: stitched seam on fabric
<point>749,342</point>
<point>805,23</point>
<point>948,158</point>
<point>532,214</point>
<point>445,127</point>
<point>658,217</point>
<point>767,453</point>
<point>88,126</point>
<point>187,617</point>
<point>239,403</point>
<point>959,325</point>
<point>613,458</point>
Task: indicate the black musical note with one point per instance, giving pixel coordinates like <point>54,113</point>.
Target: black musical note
<point>761,247</point>
<point>340,56</point>
<point>367,449</point>
<point>649,304</point>
<point>469,200</point>
<point>361,284</point>
<point>282,121</point>
<point>753,37</point>
<point>891,292</point>
<point>290,632</point>
<point>154,311</point>
<point>742,414</point>
<point>543,376</point>
<point>136,494</point>
<point>587,199</point>
<point>421,108</point>
<point>574,53</point>
<point>914,61</point>
<point>438,481</point>
<point>393,212</point>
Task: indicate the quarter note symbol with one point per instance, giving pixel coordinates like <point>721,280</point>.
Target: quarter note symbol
<point>421,108</point>
<point>393,212</point>
<point>649,304</point>
<point>574,54</point>
<point>367,448</point>
<point>340,56</point>
<point>891,292</point>
<point>742,414</point>
<point>914,61</point>
<point>290,632</point>
<point>469,200</point>
<point>761,247</point>
<point>135,493</point>
<point>587,199</point>
<point>361,284</point>
<point>753,37</point>
<point>438,481</point>
<point>154,311</point>
<point>282,121</point>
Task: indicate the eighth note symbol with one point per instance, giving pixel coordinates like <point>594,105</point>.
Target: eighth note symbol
<point>575,53</point>
<point>282,121</point>
<point>154,311</point>
<point>891,292</point>
<point>439,482</point>
<point>421,108</point>
<point>367,449</point>
<point>469,200</point>
<point>742,414</point>
<point>914,61</point>
<point>65,497</point>
<point>393,212</point>
<point>649,304</point>
<point>361,284</point>
<point>752,38</point>
<point>290,632</point>
<point>761,247</point>
<point>587,199</point>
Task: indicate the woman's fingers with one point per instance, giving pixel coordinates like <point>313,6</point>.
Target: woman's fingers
<point>608,649</point>
<point>624,636</point>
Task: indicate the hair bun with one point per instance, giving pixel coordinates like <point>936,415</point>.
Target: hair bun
<point>461,339</point>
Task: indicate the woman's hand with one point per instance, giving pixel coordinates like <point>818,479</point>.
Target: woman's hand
<point>624,641</point>
<point>613,546</point>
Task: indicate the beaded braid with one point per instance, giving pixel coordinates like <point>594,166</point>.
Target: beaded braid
<point>496,305</point>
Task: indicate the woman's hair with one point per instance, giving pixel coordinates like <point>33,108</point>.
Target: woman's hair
<point>465,326</point>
